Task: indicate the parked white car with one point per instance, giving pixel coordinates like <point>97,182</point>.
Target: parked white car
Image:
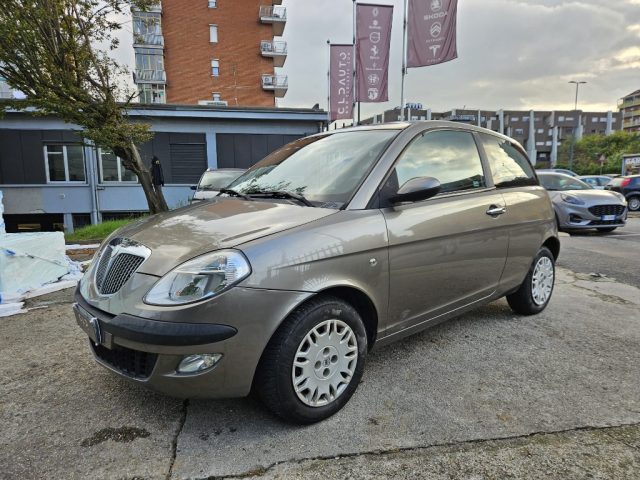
<point>212,181</point>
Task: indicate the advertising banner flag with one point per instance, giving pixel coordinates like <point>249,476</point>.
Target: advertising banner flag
<point>431,32</point>
<point>373,39</point>
<point>341,82</point>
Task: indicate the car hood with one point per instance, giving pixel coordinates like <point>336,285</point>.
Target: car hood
<point>590,197</point>
<point>177,236</point>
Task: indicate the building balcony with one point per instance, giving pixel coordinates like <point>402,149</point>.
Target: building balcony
<point>633,102</point>
<point>274,49</point>
<point>148,40</point>
<point>276,16</point>
<point>157,8</point>
<point>279,84</point>
<point>150,76</point>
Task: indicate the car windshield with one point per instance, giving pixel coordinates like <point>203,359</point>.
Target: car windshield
<point>558,182</point>
<point>217,180</point>
<point>324,169</point>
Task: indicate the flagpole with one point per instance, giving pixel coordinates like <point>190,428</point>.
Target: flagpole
<point>404,59</point>
<point>355,76</point>
<point>329,87</point>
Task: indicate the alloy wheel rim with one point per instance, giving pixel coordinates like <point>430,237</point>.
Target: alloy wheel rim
<point>542,281</point>
<point>324,363</point>
<point>634,204</point>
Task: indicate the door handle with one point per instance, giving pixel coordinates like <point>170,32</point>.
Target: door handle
<point>495,210</point>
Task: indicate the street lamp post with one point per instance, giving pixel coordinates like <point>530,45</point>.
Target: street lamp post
<point>573,139</point>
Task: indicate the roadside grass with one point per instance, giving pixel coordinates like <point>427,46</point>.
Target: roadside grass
<point>97,232</point>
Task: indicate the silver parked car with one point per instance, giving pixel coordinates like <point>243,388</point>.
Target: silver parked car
<point>596,181</point>
<point>580,206</point>
<point>212,181</point>
<point>333,245</point>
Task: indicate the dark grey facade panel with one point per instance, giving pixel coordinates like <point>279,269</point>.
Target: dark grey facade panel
<point>188,161</point>
<point>242,150</point>
<point>22,153</point>
<point>33,156</point>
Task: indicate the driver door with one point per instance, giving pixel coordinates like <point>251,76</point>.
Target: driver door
<point>447,251</point>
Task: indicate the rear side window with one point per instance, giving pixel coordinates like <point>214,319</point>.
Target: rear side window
<point>450,156</point>
<point>509,167</point>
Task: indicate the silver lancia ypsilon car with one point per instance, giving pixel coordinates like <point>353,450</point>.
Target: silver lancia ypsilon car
<point>333,245</point>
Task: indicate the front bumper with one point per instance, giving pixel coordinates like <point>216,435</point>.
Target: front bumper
<point>578,217</point>
<point>148,351</point>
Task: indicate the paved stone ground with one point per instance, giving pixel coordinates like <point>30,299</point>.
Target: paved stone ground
<point>488,395</point>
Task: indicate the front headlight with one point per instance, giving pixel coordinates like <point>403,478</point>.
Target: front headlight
<point>571,199</point>
<point>200,278</point>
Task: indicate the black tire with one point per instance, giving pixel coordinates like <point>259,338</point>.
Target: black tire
<point>633,203</point>
<point>607,230</point>
<point>521,301</point>
<point>273,381</point>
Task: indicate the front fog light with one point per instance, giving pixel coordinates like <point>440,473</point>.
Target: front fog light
<point>198,363</point>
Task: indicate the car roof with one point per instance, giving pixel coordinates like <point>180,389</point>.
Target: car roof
<point>421,124</point>
<point>594,176</point>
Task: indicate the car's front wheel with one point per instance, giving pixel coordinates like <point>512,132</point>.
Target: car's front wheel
<point>633,203</point>
<point>314,362</point>
<point>534,293</point>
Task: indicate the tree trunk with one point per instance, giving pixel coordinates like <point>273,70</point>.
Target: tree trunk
<point>154,196</point>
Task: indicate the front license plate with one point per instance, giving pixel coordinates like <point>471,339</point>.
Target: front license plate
<point>88,323</point>
<point>608,218</point>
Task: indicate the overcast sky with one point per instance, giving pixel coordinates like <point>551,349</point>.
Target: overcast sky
<point>512,54</point>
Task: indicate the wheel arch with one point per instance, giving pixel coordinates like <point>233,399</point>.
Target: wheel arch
<point>553,244</point>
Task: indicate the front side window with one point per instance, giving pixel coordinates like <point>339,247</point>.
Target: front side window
<point>509,167</point>
<point>64,163</point>
<point>449,156</point>
<point>326,169</point>
<point>112,169</point>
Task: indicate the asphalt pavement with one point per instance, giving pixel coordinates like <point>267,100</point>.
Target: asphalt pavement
<point>615,254</point>
<point>487,395</point>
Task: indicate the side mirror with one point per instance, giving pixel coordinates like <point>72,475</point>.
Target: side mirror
<point>416,189</point>
<point>193,187</point>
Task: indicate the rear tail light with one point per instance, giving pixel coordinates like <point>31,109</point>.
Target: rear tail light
<point>625,182</point>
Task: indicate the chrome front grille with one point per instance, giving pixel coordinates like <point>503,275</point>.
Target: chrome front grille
<point>118,261</point>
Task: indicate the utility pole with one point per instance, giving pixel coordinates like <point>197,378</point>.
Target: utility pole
<point>573,138</point>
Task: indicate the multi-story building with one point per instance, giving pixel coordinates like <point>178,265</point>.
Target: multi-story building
<point>210,52</point>
<point>540,132</point>
<point>5,90</point>
<point>629,106</point>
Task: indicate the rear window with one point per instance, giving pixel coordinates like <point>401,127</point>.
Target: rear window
<point>509,167</point>
<point>217,179</point>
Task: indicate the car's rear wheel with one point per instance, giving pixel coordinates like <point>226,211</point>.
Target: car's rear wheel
<point>607,230</point>
<point>534,293</point>
<point>633,203</point>
<point>314,362</point>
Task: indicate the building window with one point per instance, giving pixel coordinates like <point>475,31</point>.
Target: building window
<point>151,93</point>
<point>215,68</point>
<point>65,163</point>
<point>514,119</point>
<point>519,131</point>
<point>213,4</point>
<point>216,97</point>
<point>561,119</point>
<point>213,33</point>
<point>112,169</point>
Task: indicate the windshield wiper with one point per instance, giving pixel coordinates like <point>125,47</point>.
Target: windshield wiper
<point>284,194</point>
<point>231,191</point>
